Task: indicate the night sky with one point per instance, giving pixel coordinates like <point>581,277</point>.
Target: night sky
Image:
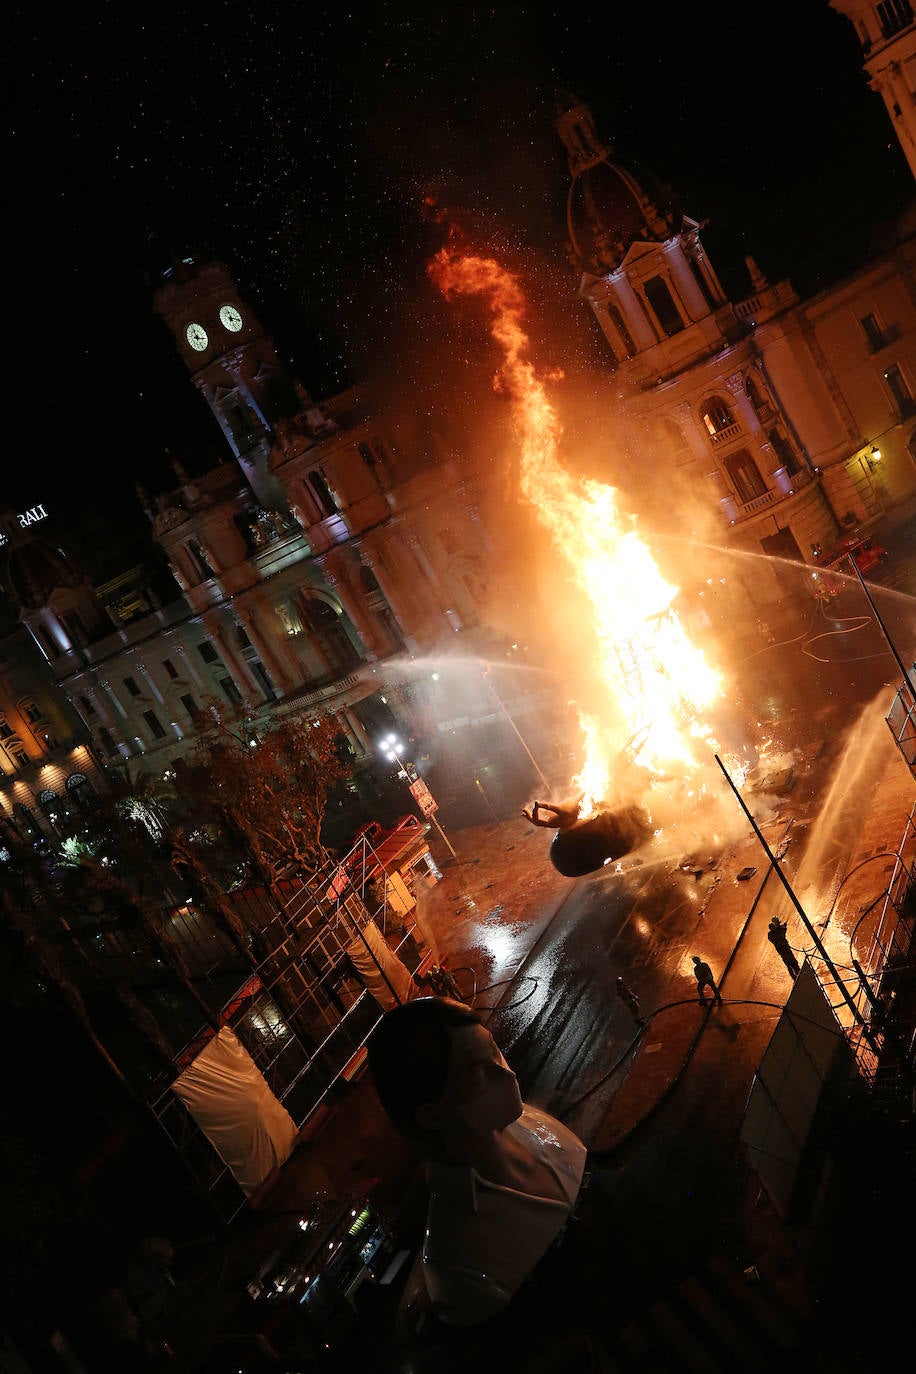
<point>299,142</point>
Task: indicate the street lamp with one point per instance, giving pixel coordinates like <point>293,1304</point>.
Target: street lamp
<point>391,747</point>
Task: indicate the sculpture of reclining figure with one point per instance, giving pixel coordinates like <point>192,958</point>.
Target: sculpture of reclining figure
<point>584,846</point>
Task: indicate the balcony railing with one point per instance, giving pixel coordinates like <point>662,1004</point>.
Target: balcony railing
<point>759,502</point>
<point>723,436</point>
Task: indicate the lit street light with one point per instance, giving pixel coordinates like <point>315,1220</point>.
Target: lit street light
<point>391,747</point>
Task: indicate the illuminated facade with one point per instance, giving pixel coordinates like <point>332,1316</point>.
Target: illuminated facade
<point>319,550</point>
<point>768,409</point>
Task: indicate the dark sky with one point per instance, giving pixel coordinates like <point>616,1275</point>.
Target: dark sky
<point>300,139</point>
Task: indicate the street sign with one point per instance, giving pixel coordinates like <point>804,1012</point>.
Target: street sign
<point>425,799</point>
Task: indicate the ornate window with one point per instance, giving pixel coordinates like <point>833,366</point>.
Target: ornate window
<point>672,439</point>
<point>328,632</point>
<point>52,806</point>
<point>716,415</point>
<point>80,789</point>
<point>745,476</point>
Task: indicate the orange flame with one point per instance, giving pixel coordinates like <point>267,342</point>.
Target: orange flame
<point>657,678</point>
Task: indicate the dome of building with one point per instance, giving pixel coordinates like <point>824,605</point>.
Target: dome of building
<point>609,207</point>
<point>611,203</point>
<point>36,569</point>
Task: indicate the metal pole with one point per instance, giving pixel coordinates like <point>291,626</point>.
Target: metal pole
<point>812,933</point>
<point>445,838</point>
<point>499,701</point>
<point>480,788</point>
<point>432,817</point>
<point>876,613</point>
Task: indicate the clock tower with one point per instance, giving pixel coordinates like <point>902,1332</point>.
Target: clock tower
<point>232,362</point>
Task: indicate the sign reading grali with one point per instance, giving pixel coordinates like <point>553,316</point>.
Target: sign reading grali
<point>32,516</point>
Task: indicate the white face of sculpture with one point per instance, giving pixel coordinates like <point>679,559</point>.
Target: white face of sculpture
<point>481,1095</point>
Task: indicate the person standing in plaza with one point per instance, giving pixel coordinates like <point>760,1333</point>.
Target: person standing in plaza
<point>778,938</point>
<point>703,974</point>
<point>630,999</point>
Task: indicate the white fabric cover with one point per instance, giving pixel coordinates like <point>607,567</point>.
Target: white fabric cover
<point>229,1098</point>
<point>395,971</point>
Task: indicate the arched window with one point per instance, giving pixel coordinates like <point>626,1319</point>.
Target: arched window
<point>323,494</point>
<point>326,628</point>
<point>745,476</point>
<point>672,439</point>
<point>716,415</point>
<point>52,806</point>
<point>80,790</point>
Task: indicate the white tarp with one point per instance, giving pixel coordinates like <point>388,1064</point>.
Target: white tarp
<point>228,1097</point>
<point>368,966</point>
<point>806,1051</point>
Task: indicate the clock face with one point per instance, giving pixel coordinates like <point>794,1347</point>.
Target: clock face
<point>196,336</point>
<point>230,318</point>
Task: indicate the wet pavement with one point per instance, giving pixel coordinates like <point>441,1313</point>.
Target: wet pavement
<point>680,1261</point>
<point>687,1266</point>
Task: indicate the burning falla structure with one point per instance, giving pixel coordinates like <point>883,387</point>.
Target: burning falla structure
<point>648,756</point>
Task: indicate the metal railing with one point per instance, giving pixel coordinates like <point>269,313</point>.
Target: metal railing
<point>901,721</point>
<point>302,1013</point>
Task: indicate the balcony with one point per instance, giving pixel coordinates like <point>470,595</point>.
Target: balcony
<point>894,16</point>
<point>787,485</point>
<point>726,435</point>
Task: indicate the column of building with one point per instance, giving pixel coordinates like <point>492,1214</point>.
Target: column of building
<point>337,567</point>
<point>375,554</point>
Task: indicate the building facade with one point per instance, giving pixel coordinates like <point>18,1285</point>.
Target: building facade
<point>317,552</point>
<point>788,421</point>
